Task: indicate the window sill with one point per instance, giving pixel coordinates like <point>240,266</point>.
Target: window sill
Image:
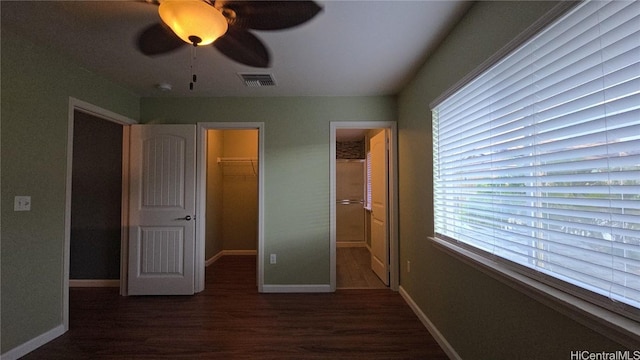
<point>612,325</point>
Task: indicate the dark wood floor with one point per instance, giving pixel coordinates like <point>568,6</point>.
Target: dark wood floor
<point>231,320</point>
<point>353,269</point>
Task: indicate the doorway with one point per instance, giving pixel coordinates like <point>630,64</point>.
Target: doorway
<point>96,220</point>
<point>230,184</point>
<point>363,228</point>
<point>77,106</point>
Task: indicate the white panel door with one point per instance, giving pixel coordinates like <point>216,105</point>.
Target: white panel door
<point>379,212</point>
<point>162,210</point>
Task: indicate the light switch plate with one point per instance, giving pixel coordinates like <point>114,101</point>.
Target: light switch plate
<point>22,203</point>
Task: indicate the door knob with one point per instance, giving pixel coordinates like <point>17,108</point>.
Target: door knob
<point>188,218</point>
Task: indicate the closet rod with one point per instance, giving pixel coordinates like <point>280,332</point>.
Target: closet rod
<point>236,159</point>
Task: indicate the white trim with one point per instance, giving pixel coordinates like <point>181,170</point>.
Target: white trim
<point>239,252</point>
<point>297,288</point>
<point>433,330</point>
<point>394,257</point>
<point>608,323</point>
<point>213,259</point>
<point>97,111</point>
<point>348,244</point>
<point>201,208</point>
<point>94,283</point>
<point>124,243</point>
<point>27,347</point>
<point>201,193</point>
<point>222,253</point>
<point>76,104</point>
<point>66,261</point>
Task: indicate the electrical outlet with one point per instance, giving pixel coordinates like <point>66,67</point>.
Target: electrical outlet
<point>408,266</point>
<point>22,203</point>
<point>272,259</point>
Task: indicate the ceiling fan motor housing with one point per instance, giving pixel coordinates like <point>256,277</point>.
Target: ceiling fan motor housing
<point>194,21</point>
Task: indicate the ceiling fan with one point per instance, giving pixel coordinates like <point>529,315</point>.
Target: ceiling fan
<point>223,23</point>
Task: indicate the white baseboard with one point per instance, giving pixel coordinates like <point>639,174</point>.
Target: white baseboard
<point>444,344</point>
<point>239,252</point>
<point>93,283</point>
<point>22,350</point>
<point>213,259</point>
<point>342,244</point>
<point>222,253</point>
<point>296,288</point>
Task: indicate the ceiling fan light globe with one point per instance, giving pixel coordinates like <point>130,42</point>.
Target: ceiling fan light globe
<point>193,18</point>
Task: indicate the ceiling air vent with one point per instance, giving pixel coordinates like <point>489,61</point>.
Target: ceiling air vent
<point>257,80</point>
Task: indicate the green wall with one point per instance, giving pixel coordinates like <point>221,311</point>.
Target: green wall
<point>479,316</point>
<point>296,159</point>
<point>36,86</point>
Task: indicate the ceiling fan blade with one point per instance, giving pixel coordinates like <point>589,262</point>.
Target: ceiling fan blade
<point>243,47</point>
<point>267,15</point>
<point>158,39</point>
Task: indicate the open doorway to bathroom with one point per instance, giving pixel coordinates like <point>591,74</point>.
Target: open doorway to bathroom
<point>362,223</point>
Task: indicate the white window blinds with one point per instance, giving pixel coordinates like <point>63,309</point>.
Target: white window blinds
<point>537,160</point>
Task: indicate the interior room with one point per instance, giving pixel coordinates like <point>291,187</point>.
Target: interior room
<point>297,84</point>
<point>353,210</point>
<point>96,225</point>
<point>232,193</point>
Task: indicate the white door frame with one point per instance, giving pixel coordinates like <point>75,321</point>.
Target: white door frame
<point>85,107</point>
<point>394,255</point>
<point>201,194</point>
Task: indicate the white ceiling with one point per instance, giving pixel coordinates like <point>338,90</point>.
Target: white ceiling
<point>352,48</point>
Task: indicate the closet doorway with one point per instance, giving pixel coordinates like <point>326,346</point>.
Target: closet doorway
<point>230,182</point>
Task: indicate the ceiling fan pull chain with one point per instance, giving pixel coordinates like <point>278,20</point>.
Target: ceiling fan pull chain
<point>193,75</point>
<point>195,57</point>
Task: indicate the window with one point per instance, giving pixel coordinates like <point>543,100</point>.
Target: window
<point>537,160</point>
